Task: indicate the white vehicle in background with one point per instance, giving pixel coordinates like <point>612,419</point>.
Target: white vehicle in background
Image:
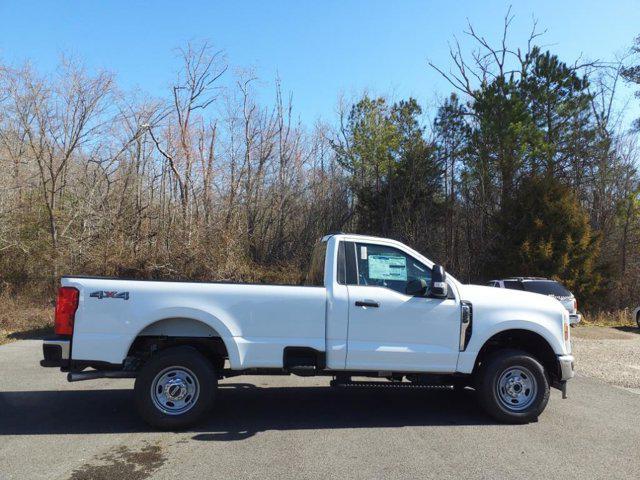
<point>543,286</point>
<point>370,307</point>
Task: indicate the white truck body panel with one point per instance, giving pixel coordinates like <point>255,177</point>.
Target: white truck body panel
<point>494,313</point>
<point>256,322</point>
<point>404,333</point>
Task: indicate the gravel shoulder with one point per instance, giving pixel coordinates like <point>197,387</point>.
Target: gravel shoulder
<point>609,354</point>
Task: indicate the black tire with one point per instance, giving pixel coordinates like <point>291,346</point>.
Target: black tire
<point>502,366</point>
<point>199,375</point>
<point>638,319</point>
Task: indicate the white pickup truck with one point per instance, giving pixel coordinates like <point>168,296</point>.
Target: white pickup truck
<point>370,307</point>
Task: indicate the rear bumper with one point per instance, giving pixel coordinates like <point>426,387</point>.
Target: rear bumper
<point>574,318</point>
<point>566,367</point>
<point>56,352</point>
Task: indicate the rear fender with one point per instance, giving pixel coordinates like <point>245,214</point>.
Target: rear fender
<point>200,320</point>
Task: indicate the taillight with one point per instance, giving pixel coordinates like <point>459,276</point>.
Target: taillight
<point>575,305</point>
<point>66,306</point>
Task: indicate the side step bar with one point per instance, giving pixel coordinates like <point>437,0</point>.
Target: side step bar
<point>95,374</point>
<point>350,383</point>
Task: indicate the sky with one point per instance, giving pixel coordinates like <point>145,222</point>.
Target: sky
<point>320,50</point>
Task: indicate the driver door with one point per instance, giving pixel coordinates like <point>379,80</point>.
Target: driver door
<point>390,330</point>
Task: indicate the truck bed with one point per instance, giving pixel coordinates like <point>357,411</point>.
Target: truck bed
<point>254,321</point>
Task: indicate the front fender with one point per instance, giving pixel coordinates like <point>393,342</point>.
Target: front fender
<point>550,330</point>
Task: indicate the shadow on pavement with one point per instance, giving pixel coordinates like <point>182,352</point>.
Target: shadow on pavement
<point>635,330</point>
<point>36,333</point>
<point>242,410</point>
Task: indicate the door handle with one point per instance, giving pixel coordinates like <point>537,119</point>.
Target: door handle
<point>365,303</point>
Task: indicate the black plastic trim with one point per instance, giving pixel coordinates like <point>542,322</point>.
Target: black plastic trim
<point>303,357</point>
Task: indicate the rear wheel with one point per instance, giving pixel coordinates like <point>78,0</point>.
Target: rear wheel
<point>638,319</point>
<point>175,388</point>
<point>513,387</point>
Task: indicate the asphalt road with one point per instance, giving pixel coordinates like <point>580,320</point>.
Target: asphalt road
<point>289,427</point>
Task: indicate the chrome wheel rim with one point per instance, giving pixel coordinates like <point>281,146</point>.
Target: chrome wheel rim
<point>175,390</point>
<point>516,388</point>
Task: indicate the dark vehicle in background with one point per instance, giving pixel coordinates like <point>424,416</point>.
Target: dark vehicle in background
<point>543,286</point>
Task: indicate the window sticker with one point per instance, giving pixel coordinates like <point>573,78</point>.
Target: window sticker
<point>363,253</point>
<point>387,267</point>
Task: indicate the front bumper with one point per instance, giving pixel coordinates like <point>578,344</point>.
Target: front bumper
<point>56,352</point>
<point>566,367</point>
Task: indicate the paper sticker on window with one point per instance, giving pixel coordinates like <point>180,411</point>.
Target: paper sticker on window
<point>387,267</point>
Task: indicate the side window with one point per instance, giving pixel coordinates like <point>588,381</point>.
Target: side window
<point>341,267</point>
<point>389,267</point>
<point>513,285</point>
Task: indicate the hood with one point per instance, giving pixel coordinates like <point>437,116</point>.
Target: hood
<point>566,301</point>
<point>516,299</point>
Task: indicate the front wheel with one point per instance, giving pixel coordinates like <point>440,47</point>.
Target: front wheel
<point>513,387</point>
<point>175,388</point>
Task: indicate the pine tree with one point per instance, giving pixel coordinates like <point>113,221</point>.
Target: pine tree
<point>543,231</point>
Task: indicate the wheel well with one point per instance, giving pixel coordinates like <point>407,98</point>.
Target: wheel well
<point>179,327</point>
<point>145,346</point>
<point>525,340</point>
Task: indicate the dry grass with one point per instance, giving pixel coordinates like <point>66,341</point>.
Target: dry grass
<point>614,318</point>
<point>21,318</point>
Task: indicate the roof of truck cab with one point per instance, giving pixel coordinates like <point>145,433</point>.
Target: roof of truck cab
<point>358,236</point>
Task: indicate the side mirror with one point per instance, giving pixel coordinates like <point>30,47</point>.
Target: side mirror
<point>438,288</point>
<point>417,287</point>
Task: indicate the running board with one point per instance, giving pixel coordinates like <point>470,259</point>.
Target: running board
<point>95,374</point>
<point>351,384</point>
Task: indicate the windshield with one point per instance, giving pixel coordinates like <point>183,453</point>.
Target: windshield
<point>546,287</point>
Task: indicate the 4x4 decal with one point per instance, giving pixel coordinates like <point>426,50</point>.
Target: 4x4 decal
<point>103,294</point>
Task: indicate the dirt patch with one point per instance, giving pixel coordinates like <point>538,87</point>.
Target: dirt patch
<point>23,319</point>
<point>610,354</point>
<point>604,333</point>
<point>122,463</point>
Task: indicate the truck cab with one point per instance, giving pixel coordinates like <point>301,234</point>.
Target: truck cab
<point>382,311</point>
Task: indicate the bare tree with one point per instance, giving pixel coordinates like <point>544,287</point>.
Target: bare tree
<point>184,138</point>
